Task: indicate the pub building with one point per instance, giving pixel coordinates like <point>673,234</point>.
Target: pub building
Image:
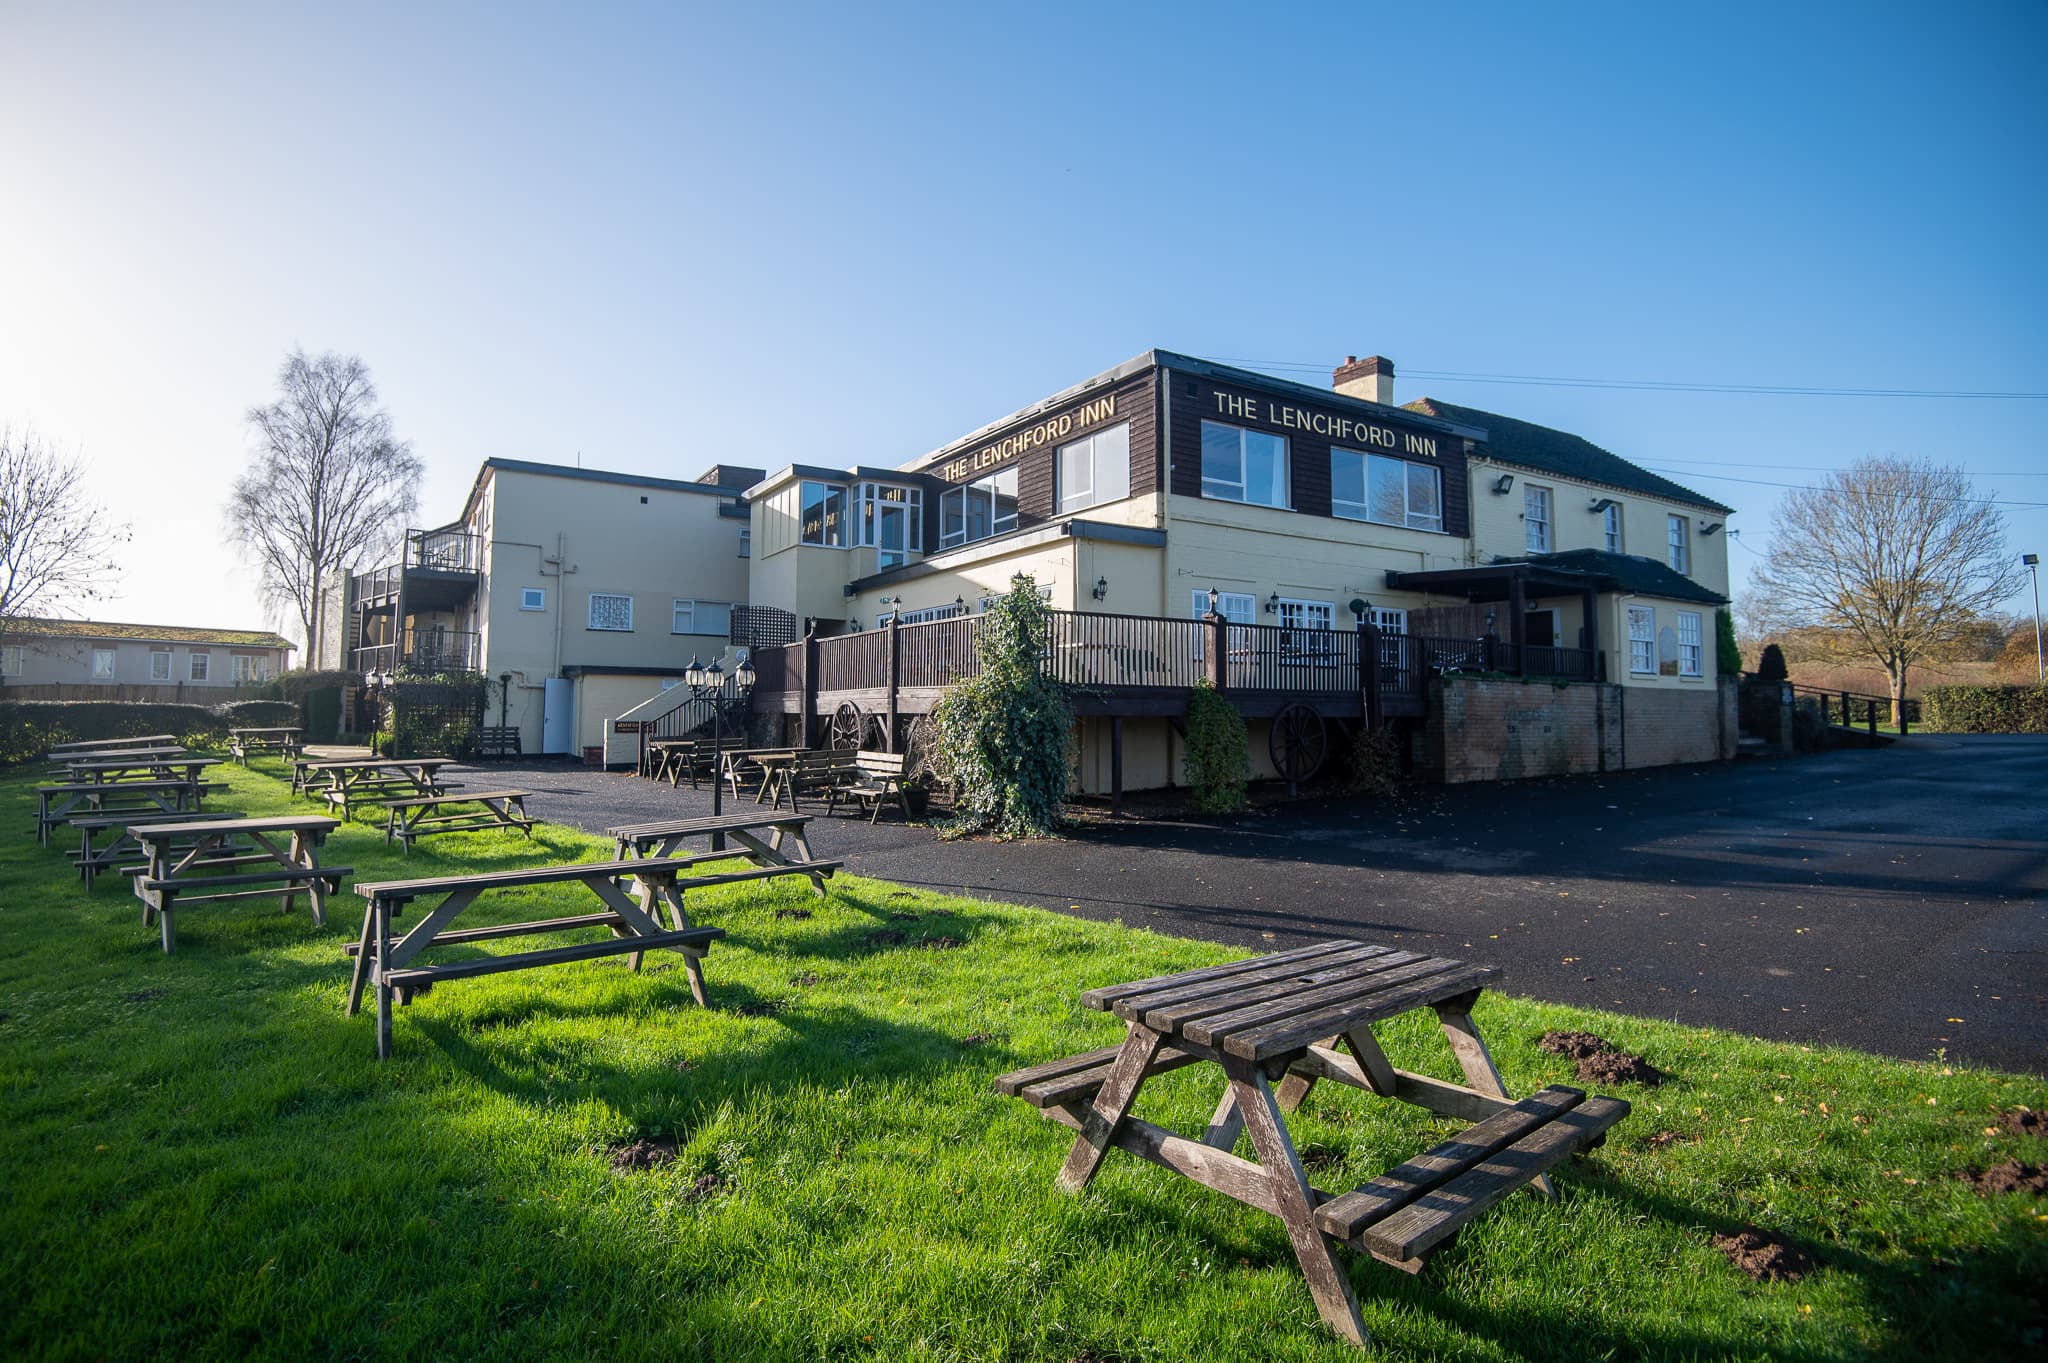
<point>1172,487</point>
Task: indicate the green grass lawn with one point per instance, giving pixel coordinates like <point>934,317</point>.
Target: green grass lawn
<point>203,1158</point>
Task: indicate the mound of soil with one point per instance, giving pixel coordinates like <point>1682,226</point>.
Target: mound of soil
<point>637,1155</point>
<point>1765,1256</point>
<point>1599,1061</point>
<point>1319,1157</point>
<point>977,1038</point>
<point>1664,1138</point>
<point>805,980</point>
<point>897,915</point>
<point>887,937</point>
<point>1577,1045</point>
<point>706,1185</point>
<point>2024,1122</point>
<point>940,943</point>
<point>759,1008</point>
<point>798,914</point>
<point>2009,1177</point>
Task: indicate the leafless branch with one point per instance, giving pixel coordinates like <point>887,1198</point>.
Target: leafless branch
<point>57,544</point>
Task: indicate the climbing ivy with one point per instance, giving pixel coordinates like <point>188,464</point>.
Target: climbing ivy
<point>1000,738</point>
<point>1216,763</point>
<point>1729,653</point>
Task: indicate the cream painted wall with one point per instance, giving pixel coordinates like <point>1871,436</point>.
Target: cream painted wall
<point>1614,642</point>
<point>974,571</point>
<point>675,544</point>
<point>1499,531</point>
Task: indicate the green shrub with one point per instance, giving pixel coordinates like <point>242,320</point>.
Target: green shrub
<point>1728,653</point>
<point>29,727</point>
<point>1000,738</point>
<point>1771,666</point>
<point>258,714</point>
<point>1217,764</point>
<point>1375,763</point>
<point>295,686</point>
<point>1986,709</point>
<point>323,713</point>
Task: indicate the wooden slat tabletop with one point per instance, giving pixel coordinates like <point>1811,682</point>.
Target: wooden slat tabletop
<point>281,823</point>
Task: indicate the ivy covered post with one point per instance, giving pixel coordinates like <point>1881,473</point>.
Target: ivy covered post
<point>1217,763</point>
<point>1001,737</point>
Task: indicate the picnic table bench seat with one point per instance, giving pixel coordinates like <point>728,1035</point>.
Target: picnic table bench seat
<point>57,750</point>
<point>635,918</point>
<point>419,816</point>
<point>284,740</point>
<point>870,779</point>
<point>498,740</point>
<point>117,855</point>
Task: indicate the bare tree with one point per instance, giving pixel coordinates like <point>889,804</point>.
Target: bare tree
<point>328,487</point>
<point>1890,560</point>
<point>57,544</point>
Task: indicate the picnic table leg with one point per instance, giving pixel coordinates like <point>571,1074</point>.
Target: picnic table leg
<point>1328,1283</point>
<point>366,944</point>
<point>306,853</point>
<point>1480,1071</point>
<point>1227,1123</point>
<point>383,929</point>
<point>1112,1101</point>
<point>679,919</point>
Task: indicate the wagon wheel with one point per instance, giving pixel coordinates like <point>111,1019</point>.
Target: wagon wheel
<point>1298,743</point>
<point>849,727</point>
<point>917,740</point>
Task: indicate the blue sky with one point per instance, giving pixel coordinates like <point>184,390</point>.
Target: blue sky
<point>661,238</point>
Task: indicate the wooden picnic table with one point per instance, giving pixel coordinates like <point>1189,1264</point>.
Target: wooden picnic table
<point>122,849</point>
<point>346,783</point>
<point>634,920</point>
<point>1282,1018</point>
<point>141,767</point>
<point>421,816</point>
<point>284,740</point>
<point>185,857</point>
<point>760,837</point>
<point>61,750</point>
<point>59,803</point>
<point>742,763</point>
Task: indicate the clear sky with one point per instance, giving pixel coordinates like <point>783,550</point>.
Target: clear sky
<point>662,237</point>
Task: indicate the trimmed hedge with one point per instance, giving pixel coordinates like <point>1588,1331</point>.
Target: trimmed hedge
<point>29,727</point>
<point>1985,709</point>
<point>258,714</point>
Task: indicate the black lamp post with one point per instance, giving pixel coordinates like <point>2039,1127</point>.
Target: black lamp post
<point>710,682</point>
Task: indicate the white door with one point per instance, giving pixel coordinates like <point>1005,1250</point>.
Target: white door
<point>557,718</point>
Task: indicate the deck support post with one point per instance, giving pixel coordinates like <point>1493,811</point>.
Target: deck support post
<point>1518,619</point>
<point>1369,673</point>
<point>895,681</point>
<point>1116,766</point>
<point>807,715</point>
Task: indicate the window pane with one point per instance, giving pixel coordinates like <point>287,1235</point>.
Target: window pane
<point>1425,506</point>
<point>1077,476</point>
<point>1265,469</point>
<point>1005,484</point>
<point>953,516</point>
<point>1347,480</point>
<point>1112,461</point>
<point>1389,481</point>
<point>1222,461</point>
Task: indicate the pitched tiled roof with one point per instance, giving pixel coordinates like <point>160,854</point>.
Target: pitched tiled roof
<point>153,634</point>
<point>1562,453</point>
<point>1630,573</point>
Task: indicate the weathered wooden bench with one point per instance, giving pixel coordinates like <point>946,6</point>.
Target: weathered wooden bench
<point>422,816</point>
<point>58,804</point>
<point>760,837</point>
<point>634,919</point>
<point>814,772</point>
<point>84,745</point>
<point>498,741</point>
<point>118,854</point>
<point>676,758</point>
<point>343,785</point>
<point>283,741</point>
<point>1273,1025</point>
<point>183,865</point>
<point>872,778</point>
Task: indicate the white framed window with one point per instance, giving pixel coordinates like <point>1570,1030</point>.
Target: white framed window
<point>11,660</point>
<point>890,519</point>
<point>690,616</point>
<point>202,665</point>
<point>1373,487</point>
<point>159,664</point>
<point>608,611</point>
<point>746,541</point>
<point>1243,466</point>
<point>533,598</point>
<point>1096,470</point>
<point>974,511</point>
<point>1239,608</point>
<point>1610,528</point>
<point>1307,614</point>
<point>1391,619</point>
<point>924,613</point>
<point>1676,531</point>
<point>1536,517</point>
<point>1691,657</point>
<point>1642,640</point>
<point>103,664</point>
<point>242,668</point>
<point>822,519</point>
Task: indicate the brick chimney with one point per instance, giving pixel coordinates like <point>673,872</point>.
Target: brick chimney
<point>1371,378</point>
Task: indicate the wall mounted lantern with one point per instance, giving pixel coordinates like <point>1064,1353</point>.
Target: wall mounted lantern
<point>1710,527</point>
<point>1101,589</point>
<point>1273,603</point>
<point>1503,484</point>
<point>1601,505</point>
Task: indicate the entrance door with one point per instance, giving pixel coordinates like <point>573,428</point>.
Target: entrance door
<point>1540,628</point>
<point>557,732</point>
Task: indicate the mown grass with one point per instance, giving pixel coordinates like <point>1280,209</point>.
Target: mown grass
<point>203,1159</point>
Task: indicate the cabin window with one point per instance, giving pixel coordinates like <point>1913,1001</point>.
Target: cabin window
<point>202,666</point>
<point>974,511</point>
<point>103,664</point>
<point>159,664</point>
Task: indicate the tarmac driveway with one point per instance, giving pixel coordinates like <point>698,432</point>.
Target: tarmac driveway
<point>1895,901</point>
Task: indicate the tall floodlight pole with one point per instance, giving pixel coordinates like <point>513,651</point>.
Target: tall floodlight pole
<point>2033,562</point>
